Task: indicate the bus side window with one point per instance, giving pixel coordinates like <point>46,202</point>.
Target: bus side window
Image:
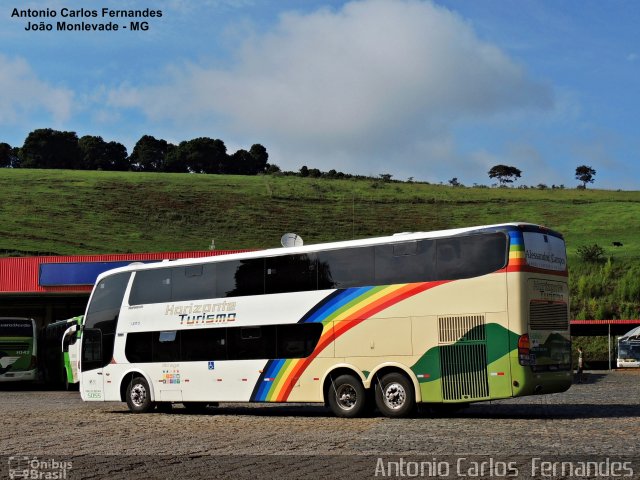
<point>240,278</point>
<point>193,282</point>
<point>290,273</point>
<point>471,255</point>
<point>138,348</point>
<point>151,286</point>
<point>405,262</point>
<point>166,346</point>
<point>298,340</point>
<point>347,267</point>
<point>203,344</point>
<point>247,343</point>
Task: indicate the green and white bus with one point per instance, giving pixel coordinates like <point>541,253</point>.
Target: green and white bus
<point>18,347</point>
<point>57,358</point>
<point>71,351</point>
<point>441,318</point>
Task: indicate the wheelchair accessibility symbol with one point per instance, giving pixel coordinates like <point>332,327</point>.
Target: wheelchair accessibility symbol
<point>211,366</point>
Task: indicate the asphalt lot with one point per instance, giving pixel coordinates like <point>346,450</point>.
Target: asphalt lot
<point>52,432</point>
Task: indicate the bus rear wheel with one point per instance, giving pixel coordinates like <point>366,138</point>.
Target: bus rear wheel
<point>139,396</point>
<point>394,395</point>
<point>347,396</point>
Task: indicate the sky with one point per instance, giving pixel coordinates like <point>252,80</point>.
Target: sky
<point>429,90</point>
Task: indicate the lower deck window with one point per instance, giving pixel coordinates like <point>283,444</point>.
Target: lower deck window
<point>234,343</point>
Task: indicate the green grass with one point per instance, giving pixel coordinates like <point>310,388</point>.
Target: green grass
<point>79,212</point>
<point>68,212</point>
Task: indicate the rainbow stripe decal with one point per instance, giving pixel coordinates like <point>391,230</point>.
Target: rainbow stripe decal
<point>338,313</point>
<point>516,250</point>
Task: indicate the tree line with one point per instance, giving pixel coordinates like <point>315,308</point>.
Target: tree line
<point>48,148</point>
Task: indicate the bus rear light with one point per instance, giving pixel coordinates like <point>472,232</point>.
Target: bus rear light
<point>524,350</point>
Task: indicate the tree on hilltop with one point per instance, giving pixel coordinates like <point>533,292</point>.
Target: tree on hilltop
<point>203,155</point>
<point>96,154</point>
<point>8,156</point>
<point>585,174</point>
<point>505,173</point>
<point>149,154</point>
<point>48,148</point>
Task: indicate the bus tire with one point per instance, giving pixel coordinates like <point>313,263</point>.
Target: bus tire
<point>394,395</point>
<point>346,396</point>
<point>139,396</point>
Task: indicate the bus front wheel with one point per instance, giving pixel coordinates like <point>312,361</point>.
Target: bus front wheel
<point>139,396</point>
<point>394,395</point>
<point>347,396</point>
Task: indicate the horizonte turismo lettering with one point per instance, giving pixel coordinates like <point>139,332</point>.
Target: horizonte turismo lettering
<point>203,313</point>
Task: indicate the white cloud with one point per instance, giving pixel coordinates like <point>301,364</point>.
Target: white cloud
<point>22,93</point>
<point>374,82</point>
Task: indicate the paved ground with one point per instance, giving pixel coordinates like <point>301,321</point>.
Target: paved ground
<point>598,421</point>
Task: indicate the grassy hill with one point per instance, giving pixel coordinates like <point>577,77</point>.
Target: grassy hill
<point>79,212</point>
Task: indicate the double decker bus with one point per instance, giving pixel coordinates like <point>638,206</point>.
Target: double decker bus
<point>629,349</point>
<point>445,317</point>
<point>18,347</point>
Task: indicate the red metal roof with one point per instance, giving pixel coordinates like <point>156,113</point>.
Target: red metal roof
<point>20,274</point>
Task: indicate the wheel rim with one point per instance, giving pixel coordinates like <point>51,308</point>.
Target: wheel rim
<point>138,394</point>
<point>395,396</point>
<point>346,397</point>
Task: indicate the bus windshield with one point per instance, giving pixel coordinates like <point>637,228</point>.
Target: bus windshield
<point>16,328</point>
<point>629,350</point>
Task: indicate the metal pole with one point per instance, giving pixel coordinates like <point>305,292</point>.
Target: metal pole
<point>609,346</point>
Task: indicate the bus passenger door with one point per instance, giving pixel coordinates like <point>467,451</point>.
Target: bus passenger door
<point>92,375</point>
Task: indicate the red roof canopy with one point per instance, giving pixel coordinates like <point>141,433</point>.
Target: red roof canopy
<point>21,275</point>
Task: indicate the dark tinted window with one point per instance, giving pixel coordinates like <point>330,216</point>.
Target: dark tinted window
<point>298,340</point>
<point>138,348</point>
<point>193,282</point>
<point>166,346</point>
<point>204,344</point>
<point>151,286</point>
<point>290,273</point>
<point>240,278</point>
<point>471,255</point>
<point>252,342</point>
<point>405,262</point>
<point>349,267</point>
